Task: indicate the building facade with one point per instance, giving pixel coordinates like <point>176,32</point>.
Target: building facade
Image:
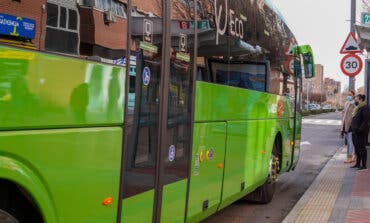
<point>332,91</point>
<point>16,12</point>
<point>313,88</point>
<point>318,81</point>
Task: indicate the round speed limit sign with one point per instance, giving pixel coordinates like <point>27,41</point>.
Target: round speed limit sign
<point>351,65</point>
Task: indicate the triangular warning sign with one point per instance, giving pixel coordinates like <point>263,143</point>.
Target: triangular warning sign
<point>350,45</point>
<point>289,50</point>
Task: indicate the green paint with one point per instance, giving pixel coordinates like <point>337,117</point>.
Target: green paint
<point>248,152</point>
<point>40,90</point>
<point>206,185</point>
<point>138,208</point>
<point>200,24</point>
<point>173,202</point>
<point>308,60</point>
<point>237,196</point>
<point>297,142</point>
<point>183,56</point>
<point>68,172</point>
<point>148,47</point>
<point>250,128</point>
<point>22,174</point>
<point>219,102</point>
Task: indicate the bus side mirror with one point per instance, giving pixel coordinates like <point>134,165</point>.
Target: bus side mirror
<point>308,61</point>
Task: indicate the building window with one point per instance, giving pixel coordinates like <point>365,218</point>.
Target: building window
<point>61,29</point>
<point>117,8</point>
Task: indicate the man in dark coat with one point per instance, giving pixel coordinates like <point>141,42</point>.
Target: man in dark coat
<point>360,129</point>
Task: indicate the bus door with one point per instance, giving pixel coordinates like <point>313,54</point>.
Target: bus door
<point>157,131</point>
<point>298,111</point>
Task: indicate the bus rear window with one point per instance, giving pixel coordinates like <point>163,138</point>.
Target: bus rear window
<point>244,75</point>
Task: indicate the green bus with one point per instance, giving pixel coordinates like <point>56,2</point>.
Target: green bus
<point>144,111</point>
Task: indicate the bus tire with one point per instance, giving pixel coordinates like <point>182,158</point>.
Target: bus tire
<point>5,217</point>
<point>265,192</point>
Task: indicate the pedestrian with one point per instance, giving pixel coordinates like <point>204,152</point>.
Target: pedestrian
<point>347,119</point>
<point>360,130</point>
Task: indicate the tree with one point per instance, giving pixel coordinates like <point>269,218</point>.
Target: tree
<point>317,97</point>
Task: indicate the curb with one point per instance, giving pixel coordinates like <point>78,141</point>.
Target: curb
<point>298,207</point>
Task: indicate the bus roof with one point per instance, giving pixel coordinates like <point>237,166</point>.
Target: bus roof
<point>276,10</point>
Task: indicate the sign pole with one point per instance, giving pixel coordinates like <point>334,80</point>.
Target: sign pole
<point>351,84</point>
<point>367,79</point>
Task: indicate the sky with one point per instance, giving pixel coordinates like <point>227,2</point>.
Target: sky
<point>324,24</point>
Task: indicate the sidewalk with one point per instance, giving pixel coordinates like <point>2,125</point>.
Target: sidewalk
<point>339,194</point>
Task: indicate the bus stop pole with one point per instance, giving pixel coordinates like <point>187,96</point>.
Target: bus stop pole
<point>366,84</point>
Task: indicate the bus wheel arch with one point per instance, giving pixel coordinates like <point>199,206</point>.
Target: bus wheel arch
<point>21,179</point>
<point>277,149</point>
<point>264,193</point>
<point>16,204</point>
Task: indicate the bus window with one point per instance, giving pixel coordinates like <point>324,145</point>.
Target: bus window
<point>244,75</point>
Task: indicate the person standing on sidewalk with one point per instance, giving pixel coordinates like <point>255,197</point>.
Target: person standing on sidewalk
<point>360,130</point>
<point>347,119</point>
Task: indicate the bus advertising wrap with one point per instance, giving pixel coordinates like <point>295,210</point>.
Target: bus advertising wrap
<point>17,26</point>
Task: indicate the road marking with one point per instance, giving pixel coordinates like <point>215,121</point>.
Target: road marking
<point>305,143</point>
<point>322,122</point>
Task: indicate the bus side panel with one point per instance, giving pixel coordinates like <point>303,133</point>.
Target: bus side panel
<point>79,168</point>
<point>173,202</point>
<point>206,170</point>
<point>216,102</point>
<point>39,90</point>
<point>248,151</point>
<point>138,208</point>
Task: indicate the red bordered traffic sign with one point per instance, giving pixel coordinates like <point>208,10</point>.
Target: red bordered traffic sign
<point>350,45</point>
<point>289,65</point>
<point>292,44</point>
<point>351,65</point>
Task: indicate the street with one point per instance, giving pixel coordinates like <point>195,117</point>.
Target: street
<point>320,140</point>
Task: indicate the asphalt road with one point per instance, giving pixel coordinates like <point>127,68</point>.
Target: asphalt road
<point>320,141</point>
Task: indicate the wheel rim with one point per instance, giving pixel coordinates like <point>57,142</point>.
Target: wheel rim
<point>5,217</point>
